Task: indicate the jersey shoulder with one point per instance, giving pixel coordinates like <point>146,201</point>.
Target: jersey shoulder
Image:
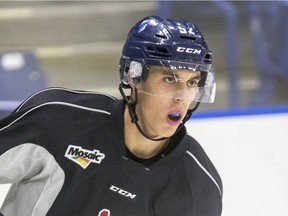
<point>69,97</point>
<point>197,154</point>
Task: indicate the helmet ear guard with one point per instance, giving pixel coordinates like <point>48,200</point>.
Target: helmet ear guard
<point>135,69</point>
<point>124,66</point>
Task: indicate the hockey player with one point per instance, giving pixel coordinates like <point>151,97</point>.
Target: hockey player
<point>69,152</point>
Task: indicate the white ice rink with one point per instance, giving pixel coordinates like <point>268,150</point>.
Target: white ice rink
<point>251,154</point>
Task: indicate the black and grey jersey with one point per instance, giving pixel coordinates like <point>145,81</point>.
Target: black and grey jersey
<point>63,152</point>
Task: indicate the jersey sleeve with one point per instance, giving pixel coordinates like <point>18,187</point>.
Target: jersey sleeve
<point>34,174</point>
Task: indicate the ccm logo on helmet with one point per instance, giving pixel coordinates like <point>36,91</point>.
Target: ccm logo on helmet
<point>188,50</point>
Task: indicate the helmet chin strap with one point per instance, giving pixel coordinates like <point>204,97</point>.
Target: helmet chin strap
<point>134,117</point>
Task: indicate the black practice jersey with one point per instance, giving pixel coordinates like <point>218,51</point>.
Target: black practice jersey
<point>63,151</point>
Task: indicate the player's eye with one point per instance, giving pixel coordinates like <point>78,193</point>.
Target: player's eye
<point>192,83</point>
<point>170,79</point>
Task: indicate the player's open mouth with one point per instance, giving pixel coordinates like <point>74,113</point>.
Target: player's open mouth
<point>174,117</point>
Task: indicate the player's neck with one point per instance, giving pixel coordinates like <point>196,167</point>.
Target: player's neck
<point>137,144</point>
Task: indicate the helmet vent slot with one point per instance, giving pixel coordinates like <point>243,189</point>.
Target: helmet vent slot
<point>189,37</point>
<point>161,36</point>
<point>162,50</point>
<point>208,59</point>
<point>150,48</point>
<point>158,51</point>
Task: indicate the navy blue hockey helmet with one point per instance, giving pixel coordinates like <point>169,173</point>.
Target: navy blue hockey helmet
<point>171,44</point>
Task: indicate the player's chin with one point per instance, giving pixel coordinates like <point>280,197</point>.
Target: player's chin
<point>169,133</point>
<point>169,130</point>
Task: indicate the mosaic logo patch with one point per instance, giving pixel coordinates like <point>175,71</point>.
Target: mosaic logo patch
<point>83,157</point>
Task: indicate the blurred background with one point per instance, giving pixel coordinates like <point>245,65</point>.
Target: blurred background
<point>77,44</point>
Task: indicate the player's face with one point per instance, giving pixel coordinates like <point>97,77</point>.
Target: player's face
<point>164,98</point>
